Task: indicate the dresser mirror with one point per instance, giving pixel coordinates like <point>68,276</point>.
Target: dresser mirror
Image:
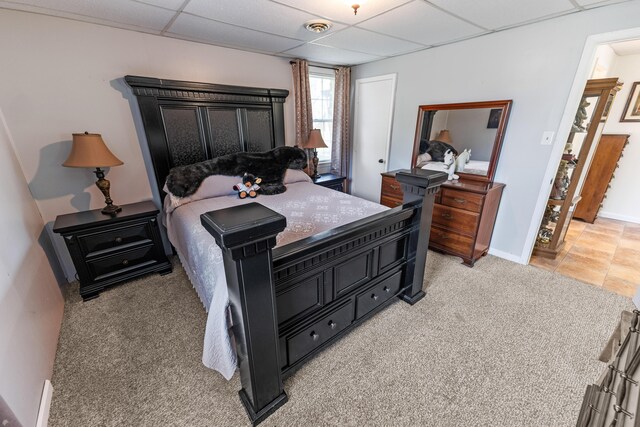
<point>477,127</point>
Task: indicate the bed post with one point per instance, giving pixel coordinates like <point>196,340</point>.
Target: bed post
<point>419,186</point>
<point>246,234</point>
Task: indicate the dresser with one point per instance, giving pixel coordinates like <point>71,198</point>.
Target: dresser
<point>107,250</point>
<point>604,164</point>
<point>464,214</point>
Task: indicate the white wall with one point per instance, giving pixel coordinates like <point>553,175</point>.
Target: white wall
<point>31,304</point>
<point>623,198</point>
<point>535,66</point>
<point>61,76</point>
<point>468,129</point>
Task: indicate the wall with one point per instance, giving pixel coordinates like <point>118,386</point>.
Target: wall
<point>623,198</point>
<point>535,66</point>
<point>31,304</point>
<point>61,76</point>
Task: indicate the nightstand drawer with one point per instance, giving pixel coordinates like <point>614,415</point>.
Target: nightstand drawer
<point>462,199</point>
<point>456,219</point>
<point>94,244</point>
<point>122,262</point>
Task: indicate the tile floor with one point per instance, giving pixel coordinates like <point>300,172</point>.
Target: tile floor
<point>605,254</point>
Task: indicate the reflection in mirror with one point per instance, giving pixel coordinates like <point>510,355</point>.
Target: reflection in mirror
<point>473,131</point>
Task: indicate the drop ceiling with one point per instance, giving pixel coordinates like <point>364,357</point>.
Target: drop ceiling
<point>381,28</point>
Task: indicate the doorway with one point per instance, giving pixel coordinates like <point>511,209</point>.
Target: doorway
<point>373,115</point>
<point>602,248</point>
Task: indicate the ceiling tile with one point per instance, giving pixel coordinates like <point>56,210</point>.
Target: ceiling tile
<point>597,3</point>
<point>205,30</point>
<point>435,27</point>
<point>368,42</point>
<point>116,11</point>
<point>494,14</point>
<point>330,55</point>
<point>167,4</point>
<point>341,11</point>
<point>259,15</point>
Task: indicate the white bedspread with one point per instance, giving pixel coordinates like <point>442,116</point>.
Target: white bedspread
<point>309,209</point>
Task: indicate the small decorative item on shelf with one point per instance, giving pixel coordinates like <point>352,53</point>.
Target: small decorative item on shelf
<point>90,151</point>
<point>581,115</point>
<point>561,182</point>
<point>315,141</point>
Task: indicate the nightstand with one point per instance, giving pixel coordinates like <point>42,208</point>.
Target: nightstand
<point>107,250</point>
<point>329,180</point>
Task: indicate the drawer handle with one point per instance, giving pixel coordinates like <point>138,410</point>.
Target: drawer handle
<point>375,297</point>
<point>125,262</point>
<point>456,199</point>
<point>386,289</point>
<point>333,324</point>
<point>118,239</point>
<point>315,336</point>
<point>447,215</point>
<point>394,187</point>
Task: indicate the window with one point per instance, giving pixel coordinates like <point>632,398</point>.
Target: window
<point>322,88</point>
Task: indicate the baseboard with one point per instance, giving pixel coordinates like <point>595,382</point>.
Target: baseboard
<point>45,405</point>
<point>626,218</point>
<point>507,256</point>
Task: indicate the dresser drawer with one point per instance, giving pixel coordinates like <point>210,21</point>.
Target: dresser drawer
<point>450,240</point>
<point>307,340</point>
<point>462,199</point>
<point>375,296</point>
<point>120,263</point>
<point>391,188</point>
<point>456,219</point>
<point>390,202</point>
<point>115,238</point>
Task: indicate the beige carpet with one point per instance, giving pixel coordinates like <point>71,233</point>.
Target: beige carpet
<point>498,345</point>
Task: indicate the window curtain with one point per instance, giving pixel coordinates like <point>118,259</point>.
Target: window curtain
<point>341,145</point>
<point>302,96</point>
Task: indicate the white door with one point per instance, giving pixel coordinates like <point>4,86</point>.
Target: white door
<point>374,101</point>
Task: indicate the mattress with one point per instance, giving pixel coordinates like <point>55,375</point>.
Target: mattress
<point>309,209</point>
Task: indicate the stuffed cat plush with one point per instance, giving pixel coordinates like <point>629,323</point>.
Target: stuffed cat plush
<point>271,166</point>
<point>436,149</point>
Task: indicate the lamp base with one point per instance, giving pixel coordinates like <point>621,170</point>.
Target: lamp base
<point>104,185</point>
<point>315,175</point>
<point>111,209</point>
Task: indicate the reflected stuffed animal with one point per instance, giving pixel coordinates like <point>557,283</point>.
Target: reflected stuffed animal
<point>450,165</point>
<point>248,187</point>
<point>462,160</point>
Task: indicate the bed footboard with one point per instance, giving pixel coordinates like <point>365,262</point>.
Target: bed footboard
<point>290,303</point>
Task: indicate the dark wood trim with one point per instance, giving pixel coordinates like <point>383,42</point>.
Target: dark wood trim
<point>497,146</point>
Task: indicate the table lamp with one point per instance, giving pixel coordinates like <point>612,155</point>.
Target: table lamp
<point>90,151</point>
<point>315,141</point>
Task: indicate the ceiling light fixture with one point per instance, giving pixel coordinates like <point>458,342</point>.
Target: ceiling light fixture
<point>355,8</point>
<point>318,26</point>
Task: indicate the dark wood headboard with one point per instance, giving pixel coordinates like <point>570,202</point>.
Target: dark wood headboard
<point>188,122</point>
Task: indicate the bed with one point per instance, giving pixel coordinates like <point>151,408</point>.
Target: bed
<point>290,294</point>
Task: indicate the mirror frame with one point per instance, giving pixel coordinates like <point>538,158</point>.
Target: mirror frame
<point>497,145</point>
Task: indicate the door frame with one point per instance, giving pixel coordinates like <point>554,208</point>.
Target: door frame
<point>575,94</point>
<point>394,79</point>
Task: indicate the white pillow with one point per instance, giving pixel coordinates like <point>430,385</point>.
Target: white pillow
<point>211,186</point>
<point>296,175</point>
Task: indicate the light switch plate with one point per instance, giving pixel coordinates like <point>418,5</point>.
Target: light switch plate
<point>547,138</point>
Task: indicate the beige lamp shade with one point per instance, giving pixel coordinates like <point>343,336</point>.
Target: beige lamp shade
<point>444,136</point>
<point>315,140</point>
<point>90,151</point>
